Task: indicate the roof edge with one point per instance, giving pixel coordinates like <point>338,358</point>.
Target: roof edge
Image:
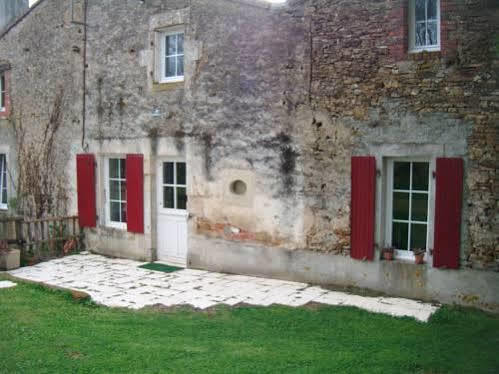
<point>16,21</point>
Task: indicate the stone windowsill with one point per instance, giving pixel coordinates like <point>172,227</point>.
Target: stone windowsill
<point>169,86</point>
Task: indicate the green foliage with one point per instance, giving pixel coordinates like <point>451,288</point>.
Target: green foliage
<point>45,331</point>
<point>13,205</point>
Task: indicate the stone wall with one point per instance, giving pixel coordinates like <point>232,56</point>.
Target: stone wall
<point>279,96</point>
<point>44,51</point>
<point>375,92</point>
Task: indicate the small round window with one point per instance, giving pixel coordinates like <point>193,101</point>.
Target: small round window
<point>238,187</point>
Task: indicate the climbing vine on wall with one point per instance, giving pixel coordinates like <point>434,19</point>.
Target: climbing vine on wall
<point>41,188</point>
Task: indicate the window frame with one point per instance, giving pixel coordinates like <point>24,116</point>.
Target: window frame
<point>175,185</point>
<point>161,56</point>
<point>107,193</point>
<point>412,29</point>
<point>4,206</point>
<point>388,195</point>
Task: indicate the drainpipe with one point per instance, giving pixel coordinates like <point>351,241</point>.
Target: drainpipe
<point>84,96</point>
<point>84,76</point>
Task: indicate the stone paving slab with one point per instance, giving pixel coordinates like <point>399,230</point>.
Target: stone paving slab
<point>121,283</point>
<point>7,284</point>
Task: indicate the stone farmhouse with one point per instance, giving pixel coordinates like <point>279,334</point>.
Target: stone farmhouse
<point>293,140</point>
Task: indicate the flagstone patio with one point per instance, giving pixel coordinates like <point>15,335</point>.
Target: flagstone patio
<point>121,283</point>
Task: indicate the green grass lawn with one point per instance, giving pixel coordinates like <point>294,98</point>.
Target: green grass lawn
<point>44,331</point>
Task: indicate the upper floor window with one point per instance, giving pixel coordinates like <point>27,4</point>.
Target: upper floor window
<point>3,181</point>
<point>424,25</point>
<point>171,56</point>
<point>3,93</point>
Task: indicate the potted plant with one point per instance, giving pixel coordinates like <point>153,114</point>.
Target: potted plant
<point>418,255</point>
<point>388,253</point>
<point>9,258</point>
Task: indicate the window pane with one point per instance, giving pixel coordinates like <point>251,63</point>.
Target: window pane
<point>114,168</point>
<point>2,91</point>
<point>181,173</point>
<point>170,45</point>
<point>180,44</point>
<point>3,171</point>
<point>419,211</point>
<point>420,34</point>
<point>401,175</point>
<point>168,200</point>
<point>399,235</point>
<point>115,211</point>
<point>114,190</point>
<point>418,236</point>
<point>432,9</point>
<point>400,205</point>
<point>3,179</point>
<point>122,168</point>
<point>123,212</point>
<point>181,198</point>
<point>420,176</point>
<point>180,66</point>
<point>168,173</point>
<point>123,191</point>
<point>170,70</point>
<point>420,10</point>
<point>432,33</point>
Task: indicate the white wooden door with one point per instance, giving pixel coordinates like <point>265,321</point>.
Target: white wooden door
<point>172,212</point>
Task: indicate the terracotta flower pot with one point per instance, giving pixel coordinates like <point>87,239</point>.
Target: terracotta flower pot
<point>419,258</point>
<point>388,256</point>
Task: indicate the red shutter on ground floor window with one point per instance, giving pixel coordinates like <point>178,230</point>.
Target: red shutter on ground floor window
<point>135,193</point>
<point>85,180</point>
<point>448,202</point>
<point>362,207</point>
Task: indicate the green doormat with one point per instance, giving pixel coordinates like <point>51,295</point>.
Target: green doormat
<point>160,267</point>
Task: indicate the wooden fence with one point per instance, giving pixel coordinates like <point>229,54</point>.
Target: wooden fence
<point>44,238</point>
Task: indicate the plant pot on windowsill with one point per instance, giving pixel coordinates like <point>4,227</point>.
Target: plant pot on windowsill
<point>388,253</point>
<point>418,255</point>
<point>10,259</point>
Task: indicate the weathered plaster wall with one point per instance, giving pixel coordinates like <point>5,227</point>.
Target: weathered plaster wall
<point>246,72</point>
<point>44,51</point>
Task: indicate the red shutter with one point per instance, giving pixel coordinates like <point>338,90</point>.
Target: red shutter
<point>362,207</point>
<point>135,193</point>
<point>85,180</point>
<point>448,201</point>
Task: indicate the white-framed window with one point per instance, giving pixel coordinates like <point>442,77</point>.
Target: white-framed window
<point>424,25</point>
<point>409,205</point>
<point>170,60</point>
<point>3,93</point>
<point>116,192</point>
<point>3,182</point>
<point>174,185</point>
